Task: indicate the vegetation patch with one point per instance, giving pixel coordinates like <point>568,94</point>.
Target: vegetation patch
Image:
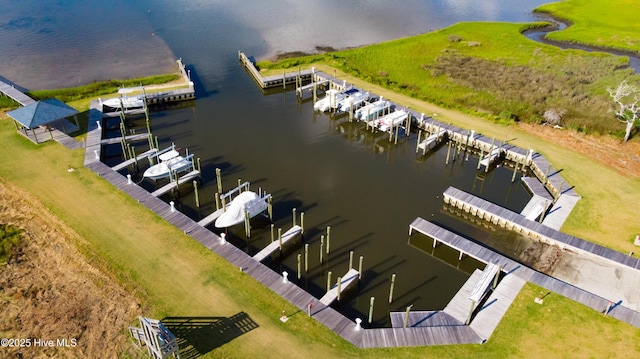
<point>9,241</point>
<point>99,88</point>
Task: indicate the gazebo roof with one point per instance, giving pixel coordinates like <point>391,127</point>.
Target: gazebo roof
<point>42,112</point>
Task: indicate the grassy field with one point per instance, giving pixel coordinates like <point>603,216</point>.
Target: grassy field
<point>177,277</point>
<point>490,70</point>
<point>605,23</point>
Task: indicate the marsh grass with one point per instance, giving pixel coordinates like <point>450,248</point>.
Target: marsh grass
<point>605,23</point>
<point>489,69</point>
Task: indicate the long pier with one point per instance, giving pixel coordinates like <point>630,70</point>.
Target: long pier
<point>486,255</point>
<point>15,94</point>
<point>519,223</point>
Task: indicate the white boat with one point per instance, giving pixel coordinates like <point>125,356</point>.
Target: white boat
<point>126,102</point>
<point>391,120</point>
<point>330,100</point>
<point>352,101</point>
<point>235,211</point>
<point>370,111</point>
<point>170,162</point>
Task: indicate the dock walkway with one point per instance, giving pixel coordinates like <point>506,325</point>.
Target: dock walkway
<point>273,246</point>
<point>510,266</point>
<point>347,280</point>
<point>519,223</point>
<point>15,94</point>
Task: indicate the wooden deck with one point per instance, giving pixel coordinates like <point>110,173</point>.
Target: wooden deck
<point>347,280</point>
<point>560,211</point>
<point>519,223</point>
<point>187,178</point>
<point>290,234</point>
<point>15,94</point>
<point>510,266</point>
<point>131,161</point>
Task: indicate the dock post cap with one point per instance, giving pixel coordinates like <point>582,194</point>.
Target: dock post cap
<point>99,126</point>
<point>358,326</point>
<point>97,155</point>
<point>173,206</point>
<point>285,276</point>
<point>129,178</point>
<point>223,238</point>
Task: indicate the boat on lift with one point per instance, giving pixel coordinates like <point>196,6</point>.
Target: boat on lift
<point>353,101</point>
<point>234,213</point>
<point>391,120</point>
<point>123,102</point>
<point>329,101</point>
<point>170,162</point>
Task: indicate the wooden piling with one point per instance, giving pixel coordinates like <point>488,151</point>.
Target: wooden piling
<point>393,282</point>
<point>294,217</point>
<point>302,223</point>
<point>219,180</point>
<point>299,255</point>
<point>360,267</point>
<point>371,301</point>
<point>350,260</point>
<point>448,150</point>
<point>321,249</point>
<point>272,233</point>
<point>328,238</point>
<point>195,190</point>
<point>328,281</point>
<point>280,238</point>
<point>406,316</point>
<point>247,221</point>
<point>339,287</point>
<point>418,143</point>
<point>306,257</point>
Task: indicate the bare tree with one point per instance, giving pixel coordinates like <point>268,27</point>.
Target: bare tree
<point>553,116</point>
<point>627,97</point>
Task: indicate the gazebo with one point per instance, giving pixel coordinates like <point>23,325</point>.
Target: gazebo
<point>38,117</point>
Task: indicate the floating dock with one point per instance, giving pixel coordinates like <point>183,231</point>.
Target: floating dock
<point>347,280</point>
<point>267,251</point>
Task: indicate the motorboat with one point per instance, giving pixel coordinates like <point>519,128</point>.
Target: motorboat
<point>235,211</point>
<point>118,103</point>
<point>330,100</point>
<point>391,120</point>
<point>352,101</point>
<point>372,110</point>
<point>170,162</point>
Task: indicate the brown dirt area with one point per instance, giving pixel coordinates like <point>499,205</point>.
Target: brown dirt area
<point>622,157</point>
<point>49,290</point>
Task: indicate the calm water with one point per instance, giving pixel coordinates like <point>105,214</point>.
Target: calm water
<point>366,189</point>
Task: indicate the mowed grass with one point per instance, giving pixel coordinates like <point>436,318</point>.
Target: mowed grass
<point>605,23</point>
<point>176,276</point>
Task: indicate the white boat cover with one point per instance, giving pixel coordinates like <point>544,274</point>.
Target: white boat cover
<point>234,214</point>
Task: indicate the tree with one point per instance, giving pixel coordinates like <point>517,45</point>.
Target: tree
<point>627,97</point>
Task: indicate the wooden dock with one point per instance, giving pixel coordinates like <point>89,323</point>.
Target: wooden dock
<point>187,178</point>
<point>510,266</point>
<point>519,223</point>
<point>267,251</point>
<point>266,82</point>
<point>15,94</point>
<point>347,280</point>
<point>131,161</point>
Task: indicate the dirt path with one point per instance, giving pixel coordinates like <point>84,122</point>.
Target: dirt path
<point>50,291</point>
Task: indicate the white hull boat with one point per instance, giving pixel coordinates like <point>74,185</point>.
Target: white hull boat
<point>353,101</point>
<point>126,102</point>
<point>330,100</point>
<point>235,211</point>
<point>391,120</point>
<point>170,162</point>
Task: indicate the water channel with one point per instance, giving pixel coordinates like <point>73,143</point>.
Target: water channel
<point>365,188</point>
